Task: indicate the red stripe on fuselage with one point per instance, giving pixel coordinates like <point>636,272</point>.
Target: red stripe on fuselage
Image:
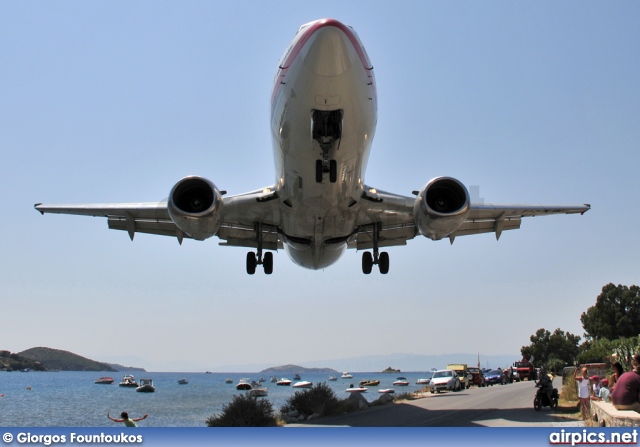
<point>306,35</point>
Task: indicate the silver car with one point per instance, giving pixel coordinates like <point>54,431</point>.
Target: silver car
<point>445,379</point>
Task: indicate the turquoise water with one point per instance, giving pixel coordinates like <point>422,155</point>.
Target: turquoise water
<point>71,399</point>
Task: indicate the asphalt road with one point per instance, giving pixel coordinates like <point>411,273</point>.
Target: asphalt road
<point>508,405</point>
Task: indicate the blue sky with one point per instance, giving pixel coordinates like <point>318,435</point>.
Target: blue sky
<point>531,102</point>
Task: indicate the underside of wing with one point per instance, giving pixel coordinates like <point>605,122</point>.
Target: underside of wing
<point>144,217</point>
<point>392,219</point>
<point>487,218</point>
<point>385,217</point>
<point>248,219</point>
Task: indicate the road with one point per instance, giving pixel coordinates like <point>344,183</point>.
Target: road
<point>496,406</point>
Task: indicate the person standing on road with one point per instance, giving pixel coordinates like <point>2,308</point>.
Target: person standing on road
<point>583,393</point>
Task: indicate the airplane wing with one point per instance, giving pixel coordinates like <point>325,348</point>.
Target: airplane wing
<point>239,227</point>
<point>392,214</point>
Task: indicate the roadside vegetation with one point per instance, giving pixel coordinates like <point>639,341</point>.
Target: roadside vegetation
<point>245,411</point>
<point>318,400</point>
<point>611,327</point>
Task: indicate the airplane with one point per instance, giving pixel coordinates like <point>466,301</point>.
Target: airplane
<point>323,120</point>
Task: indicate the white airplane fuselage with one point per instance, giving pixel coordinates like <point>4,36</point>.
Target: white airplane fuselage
<point>323,112</point>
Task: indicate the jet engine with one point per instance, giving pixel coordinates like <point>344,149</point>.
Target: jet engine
<point>441,207</point>
<point>195,205</point>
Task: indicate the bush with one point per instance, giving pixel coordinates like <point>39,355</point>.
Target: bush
<point>244,411</point>
<point>319,399</point>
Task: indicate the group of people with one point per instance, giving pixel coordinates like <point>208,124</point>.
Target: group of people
<point>623,392</point>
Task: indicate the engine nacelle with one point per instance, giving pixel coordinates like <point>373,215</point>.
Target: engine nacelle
<point>441,207</point>
<point>195,205</point>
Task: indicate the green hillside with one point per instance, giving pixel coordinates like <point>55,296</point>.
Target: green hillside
<point>55,359</point>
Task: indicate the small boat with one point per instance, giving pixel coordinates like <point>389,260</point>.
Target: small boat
<point>273,379</point>
<point>129,381</point>
<point>346,375</point>
<point>369,382</point>
<point>360,389</point>
<point>257,391</point>
<point>183,381</point>
<point>283,382</point>
<point>332,378</point>
<point>303,384</point>
<point>423,381</point>
<point>146,386</point>
<point>228,381</point>
<point>387,391</point>
<point>104,381</point>
<point>243,384</point>
<point>296,376</point>
<point>262,380</point>
<point>401,381</point>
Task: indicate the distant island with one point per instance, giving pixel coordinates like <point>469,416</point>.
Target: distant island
<point>48,359</point>
<point>390,370</point>
<point>296,369</point>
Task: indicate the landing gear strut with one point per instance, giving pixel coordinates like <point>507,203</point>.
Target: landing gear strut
<point>255,258</point>
<point>380,259</point>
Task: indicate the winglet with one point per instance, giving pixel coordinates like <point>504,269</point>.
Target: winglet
<point>36,207</point>
<point>588,205</point>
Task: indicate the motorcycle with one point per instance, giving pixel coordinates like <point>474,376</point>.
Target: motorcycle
<point>542,399</point>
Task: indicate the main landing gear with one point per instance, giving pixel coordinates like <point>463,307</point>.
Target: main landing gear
<point>380,259</point>
<point>255,258</point>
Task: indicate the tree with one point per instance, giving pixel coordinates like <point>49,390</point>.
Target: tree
<point>596,351</point>
<point>616,313</point>
<point>555,349</point>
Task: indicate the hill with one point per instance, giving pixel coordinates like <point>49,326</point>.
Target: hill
<point>296,369</point>
<point>15,362</point>
<point>64,360</point>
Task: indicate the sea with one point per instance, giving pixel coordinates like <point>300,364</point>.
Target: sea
<point>72,399</point>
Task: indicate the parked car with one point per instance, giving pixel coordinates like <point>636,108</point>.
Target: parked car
<point>495,376</point>
<point>444,379</point>
<point>478,377</point>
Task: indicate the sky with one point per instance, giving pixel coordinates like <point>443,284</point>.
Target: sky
<point>525,102</point>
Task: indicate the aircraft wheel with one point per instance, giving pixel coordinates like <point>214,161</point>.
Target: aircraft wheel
<point>251,263</point>
<point>333,171</point>
<point>383,263</point>
<point>267,263</point>
<point>318,171</point>
<point>367,262</point>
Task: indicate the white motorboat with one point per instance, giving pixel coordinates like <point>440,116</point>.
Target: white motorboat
<point>243,384</point>
<point>332,378</point>
<point>387,391</point>
<point>129,381</point>
<point>401,381</point>
<point>303,384</point>
<point>359,389</point>
<point>423,381</point>
<point>346,375</point>
<point>257,390</point>
<point>283,382</point>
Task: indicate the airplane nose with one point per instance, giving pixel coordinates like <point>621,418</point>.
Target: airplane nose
<point>330,52</point>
